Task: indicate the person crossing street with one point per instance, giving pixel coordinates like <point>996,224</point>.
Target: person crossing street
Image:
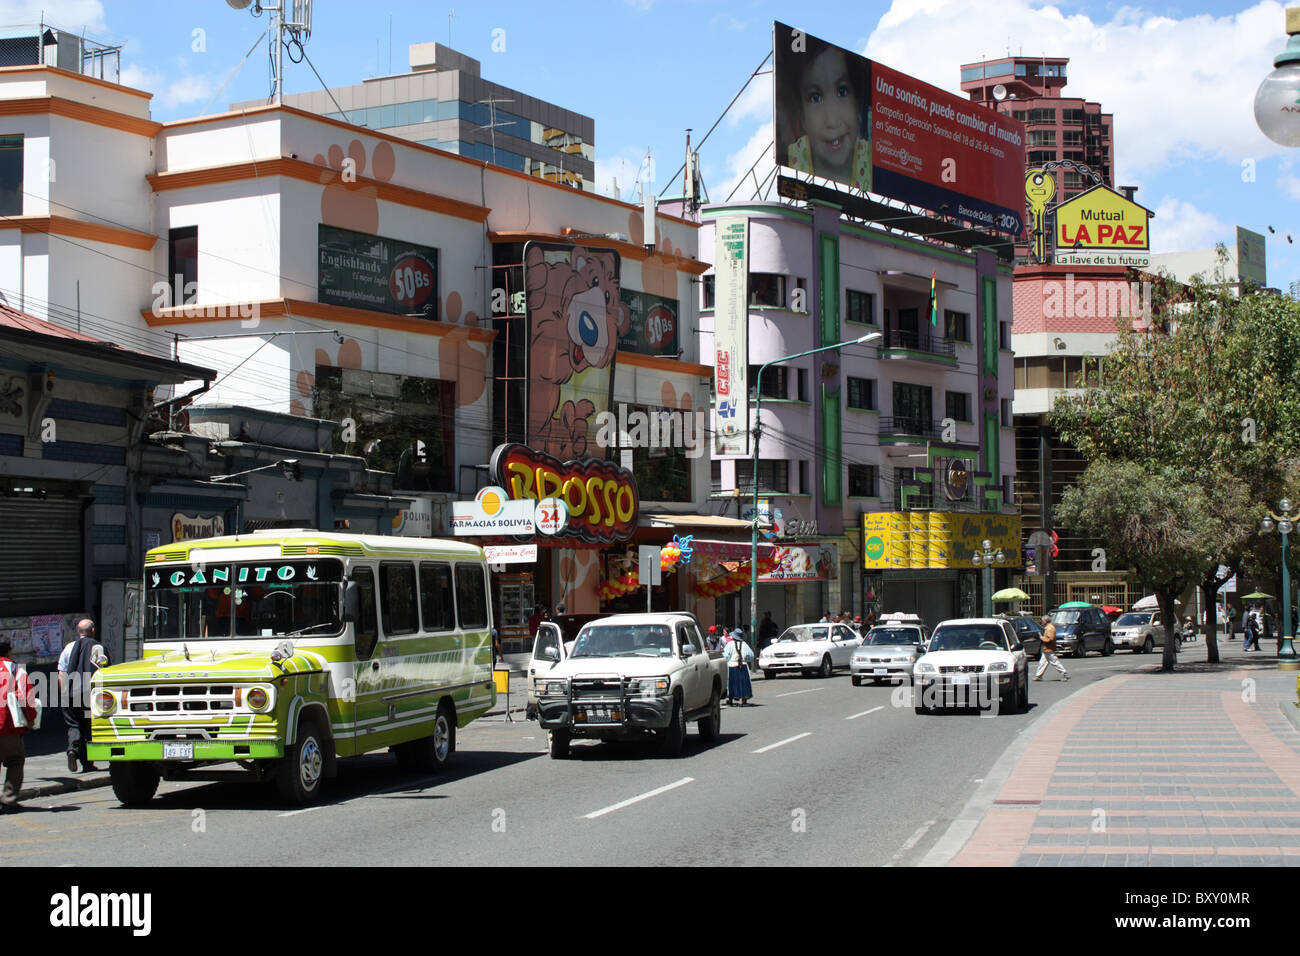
<point>1049,651</point>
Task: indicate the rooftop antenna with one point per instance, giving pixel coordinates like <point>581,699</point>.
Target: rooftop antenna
<point>450,16</point>
<point>295,21</point>
<point>492,123</point>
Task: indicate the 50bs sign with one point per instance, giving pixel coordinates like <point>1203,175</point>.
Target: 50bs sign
<point>370,272</point>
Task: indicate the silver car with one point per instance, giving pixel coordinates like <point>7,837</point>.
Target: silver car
<point>888,652</point>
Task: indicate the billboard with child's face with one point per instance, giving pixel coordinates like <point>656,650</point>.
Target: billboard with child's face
<point>842,117</point>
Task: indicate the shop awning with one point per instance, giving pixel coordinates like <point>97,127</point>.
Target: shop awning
<point>708,522</point>
<point>731,550</point>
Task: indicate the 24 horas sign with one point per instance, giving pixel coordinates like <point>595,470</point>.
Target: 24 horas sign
<point>601,497</point>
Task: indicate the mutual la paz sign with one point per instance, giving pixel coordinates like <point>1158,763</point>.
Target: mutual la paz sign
<point>1102,221</point>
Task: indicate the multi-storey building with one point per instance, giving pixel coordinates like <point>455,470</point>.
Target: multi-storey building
<point>444,102</point>
<point>881,466</point>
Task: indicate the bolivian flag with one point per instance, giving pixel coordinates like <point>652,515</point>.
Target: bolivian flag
<point>934,303</point>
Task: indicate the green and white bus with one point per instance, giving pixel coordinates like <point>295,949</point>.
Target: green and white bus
<point>286,650</point>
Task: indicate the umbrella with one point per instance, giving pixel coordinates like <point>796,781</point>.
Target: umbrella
<point>1257,596</point>
<point>1070,604</point>
<point>1149,603</point>
<point>1010,594</point>
<point>1111,609</point>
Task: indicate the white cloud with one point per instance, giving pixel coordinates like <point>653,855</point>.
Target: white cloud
<point>754,104</point>
<point>1182,227</point>
<point>1180,89</point>
<point>70,15</point>
<point>180,91</point>
<point>737,165</point>
<point>626,166</point>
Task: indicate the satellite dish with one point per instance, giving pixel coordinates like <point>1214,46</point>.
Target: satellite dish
<point>239,4</point>
<point>999,91</point>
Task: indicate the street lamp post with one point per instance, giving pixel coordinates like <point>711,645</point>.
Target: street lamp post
<point>1276,111</point>
<point>1288,660</point>
<point>758,427</point>
<point>984,558</point>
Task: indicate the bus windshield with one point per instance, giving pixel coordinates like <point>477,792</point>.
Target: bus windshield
<point>276,598</point>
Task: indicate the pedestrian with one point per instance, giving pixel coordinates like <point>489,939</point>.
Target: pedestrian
<point>1248,635</point>
<point>767,630</point>
<point>712,642</point>
<point>496,646</point>
<point>738,655</point>
<point>79,660</point>
<point>17,714</point>
<point>1049,651</point>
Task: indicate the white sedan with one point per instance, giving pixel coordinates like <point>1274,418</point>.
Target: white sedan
<point>811,649</point>
<point>972,662</point>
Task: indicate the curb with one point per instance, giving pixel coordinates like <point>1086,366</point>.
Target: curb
<point>68,786</point>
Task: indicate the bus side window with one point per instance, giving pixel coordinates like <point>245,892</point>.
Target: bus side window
<point>397,610</point>
<point>366,628</point>
<point>471,596</point>
<point>436,598</point>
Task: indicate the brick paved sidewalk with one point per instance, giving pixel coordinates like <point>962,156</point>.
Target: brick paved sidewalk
<point>1196,768</point>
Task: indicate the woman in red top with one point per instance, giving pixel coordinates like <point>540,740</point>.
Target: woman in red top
<point>13,680</point>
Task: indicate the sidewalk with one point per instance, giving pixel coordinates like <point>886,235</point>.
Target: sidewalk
<point>1200,767</point>
<point>46,771</point>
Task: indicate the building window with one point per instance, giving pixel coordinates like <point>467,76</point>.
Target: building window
<point>956,325</point>
<point>767,290</point>
<point>1018,115</point>
<point>1071,116</point>
<point>1039,156</point>
<point>708,286</point>
<point>1004,335</point>
<point>773,476</point>
<point>801,388</point>
<point>11,175</point>
<point>863,481</point>
<point>860,308</point>
<point>776,381</point>
<point>715,476</point>
<point>862,393</point>
<point>957,406</point>
<point>183,263</point>
<point>1072,137</point>
<point>804,488</point>
<point>913,411</point>
<point>1042,137</point>
<point>663,472</point>
<point>1042,116</point>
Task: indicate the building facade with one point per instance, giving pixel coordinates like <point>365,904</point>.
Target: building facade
<point>881,465</point>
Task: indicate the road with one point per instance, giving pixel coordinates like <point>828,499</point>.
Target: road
<point>816,772</point>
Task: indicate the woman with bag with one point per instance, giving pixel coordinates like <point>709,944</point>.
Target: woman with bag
<point>739,656</point>
<point>17,715</point>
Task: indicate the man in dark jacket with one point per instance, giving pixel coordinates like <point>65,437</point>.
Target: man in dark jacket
<point>13,680</point>
<point>77,663</point>
<point>767,630</point>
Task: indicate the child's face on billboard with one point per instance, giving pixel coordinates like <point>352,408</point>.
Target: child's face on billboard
<point>830,114</point>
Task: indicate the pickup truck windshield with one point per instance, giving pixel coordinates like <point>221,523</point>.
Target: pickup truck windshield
<point>272,598</point>
<point>624,640</point>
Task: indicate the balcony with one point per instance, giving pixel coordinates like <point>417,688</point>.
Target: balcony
<point>918,342</point>
<point>910,426</point>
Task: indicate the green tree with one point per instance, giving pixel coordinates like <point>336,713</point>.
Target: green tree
<point>1206,393</point>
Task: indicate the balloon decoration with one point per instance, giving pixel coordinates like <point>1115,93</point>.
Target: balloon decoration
<point>727,578</point>
<point>669,556</point>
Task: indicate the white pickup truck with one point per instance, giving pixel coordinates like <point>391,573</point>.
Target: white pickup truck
<point>633,676</point>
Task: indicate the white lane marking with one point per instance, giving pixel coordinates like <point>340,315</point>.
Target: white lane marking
<point>810,690</point>
<point>645,796</point>
<point>865,712</point>
<point>782,743</point>
<point>912,841</point>
<point>374,793</point>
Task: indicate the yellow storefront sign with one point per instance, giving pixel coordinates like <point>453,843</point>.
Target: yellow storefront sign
<point>894,540</point>
<point>1102,219</point>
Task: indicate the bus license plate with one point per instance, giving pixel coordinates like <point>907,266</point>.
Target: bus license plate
<point>182,751</point>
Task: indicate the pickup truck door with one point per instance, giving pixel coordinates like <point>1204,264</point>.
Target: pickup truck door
<point>695,667</point>
<point>548,636</point>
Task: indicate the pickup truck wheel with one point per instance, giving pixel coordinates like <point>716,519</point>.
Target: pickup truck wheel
<point>827,668</point>
<point>710,727</point>
<point>1148,645</point>
<point>557,744</point>
<point>299,777</point>
<point>134,784</point>
<point>674,735</point>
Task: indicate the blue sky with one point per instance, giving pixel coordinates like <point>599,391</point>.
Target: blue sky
<point>1180,78</point>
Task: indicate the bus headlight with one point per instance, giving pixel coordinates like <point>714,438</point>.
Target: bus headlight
<point>103,703</point>
<point>259,699</point>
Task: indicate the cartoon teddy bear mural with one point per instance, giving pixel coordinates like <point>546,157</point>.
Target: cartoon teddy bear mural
<point>575,318</point>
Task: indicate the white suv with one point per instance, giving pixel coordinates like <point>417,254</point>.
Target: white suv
<point>1140,631</point>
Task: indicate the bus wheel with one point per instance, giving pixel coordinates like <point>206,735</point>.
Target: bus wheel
<point>300,774</point>
<point>133,783</point>
<point>430,754</point>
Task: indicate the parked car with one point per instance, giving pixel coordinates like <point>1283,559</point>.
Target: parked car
<point>811,649</point>
<point>888,651</point>
<point>1082,629</point>
<point>972,662</point>
<point>1140,631</point>
<point>1030,634</point>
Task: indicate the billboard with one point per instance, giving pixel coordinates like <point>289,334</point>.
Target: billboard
<point>575,317</point>
<point>652,329</point>
<point>843,117</point>
<point>731,336</point>
<point>370,272</point>
<point>895,540</point>
<point>1100,227</point>
<point>1250,258</point>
